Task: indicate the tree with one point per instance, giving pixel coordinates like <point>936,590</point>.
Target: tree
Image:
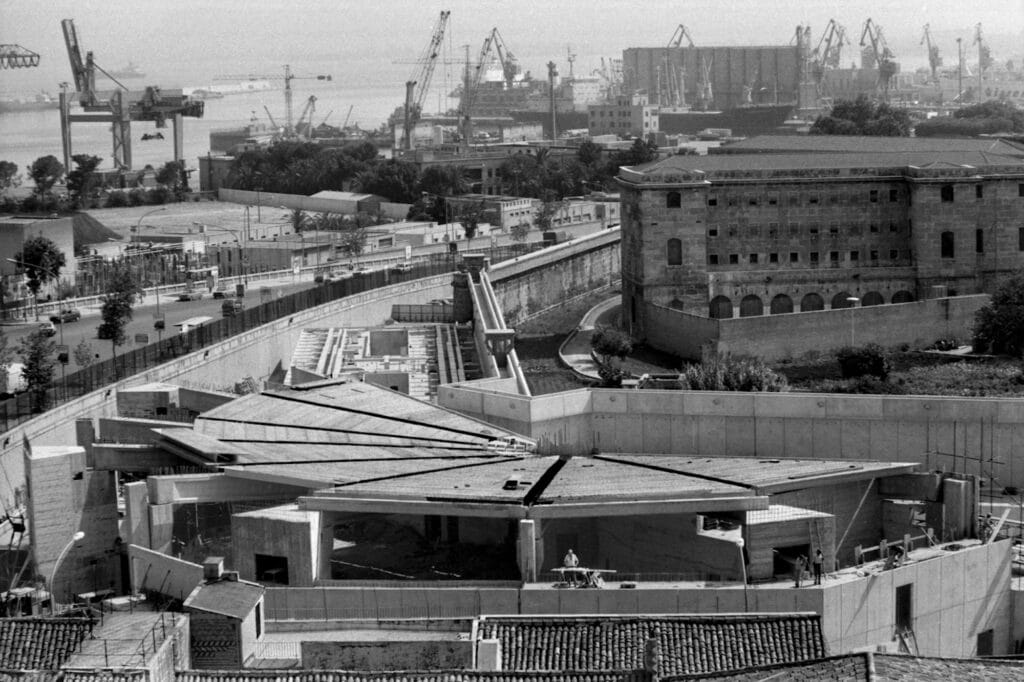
<point>121,293</point>
<point>9,177</point>
<point>520,231</point>
<point>39,365</point>
<point>608,343</point>
<point>863,117</point>
<point>42,261</point>
<point>471,214</point>
<point>174,177</point>
<point>978,119</point>
<point>393,179</point>
<point>45,172</point>
<point>353,240</point>
<point>999,326</point>
<point>84,354</point>
<point>82,180</point>
<point>442,181</point>
<point>546,212</point>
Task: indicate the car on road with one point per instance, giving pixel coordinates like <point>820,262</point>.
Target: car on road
<point>48,328</point>
<point>66,315</point>
<point>220,293</point>
<point>403,267</point>
<point>190,296</point>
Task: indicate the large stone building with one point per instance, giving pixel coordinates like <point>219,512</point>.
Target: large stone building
<point>820,223</point>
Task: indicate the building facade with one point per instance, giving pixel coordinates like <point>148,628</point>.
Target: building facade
<point>624,116</point>
<point>737,235</point>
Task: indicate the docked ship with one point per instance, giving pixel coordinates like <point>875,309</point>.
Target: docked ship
<point>218,90</point>
<point>744,120</point>
<point>42,101</point>
<point>130,70</point>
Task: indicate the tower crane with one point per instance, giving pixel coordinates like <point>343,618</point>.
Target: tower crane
<point>883,56</point>
<point>416,87</point>
<point>17,57</point>
<point>934,60</point>
<point>289,127</point>
<point>828,54</point>
<point>119,107</point>
<point>306,123</point>
<point>677,38</point>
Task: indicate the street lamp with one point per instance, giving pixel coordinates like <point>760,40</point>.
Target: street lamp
<point>77,537</point>
<point>853,301</point>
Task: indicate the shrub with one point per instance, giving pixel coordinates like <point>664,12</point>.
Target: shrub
<point>117,199</point>
<point>999,326</point>
<point>138,197</point>
<point>869,360</point>
<point>611,343</point>
<point>730,374</point>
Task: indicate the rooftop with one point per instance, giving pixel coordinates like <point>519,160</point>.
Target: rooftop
<point>40,643</point>
<point>862,144</point>
<point>409,676</point>
<point>232,598</point>
<point>688,644</point>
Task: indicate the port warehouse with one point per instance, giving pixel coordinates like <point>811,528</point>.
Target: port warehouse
<point>773,73</point>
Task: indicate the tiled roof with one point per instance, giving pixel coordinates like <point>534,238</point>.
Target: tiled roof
<point>40,643</point>
<point>887,668</point>
<point>859,143</point>
<point>98,675</point>
<point>233,598</point>
<point>411,676</point>
<point>689,644</point>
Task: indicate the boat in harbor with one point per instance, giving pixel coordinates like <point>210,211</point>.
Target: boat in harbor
<point>42,101</point>
<point>744,120</point>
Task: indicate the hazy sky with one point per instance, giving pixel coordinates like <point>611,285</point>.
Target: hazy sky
<point>188,41</point>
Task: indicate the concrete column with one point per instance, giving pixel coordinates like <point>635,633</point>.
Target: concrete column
<point>85,436</point>
<point>488,654</point>
<point>463,301</point>
<point>161,528</point>
<point>528,550</point>
<point>136,497</point>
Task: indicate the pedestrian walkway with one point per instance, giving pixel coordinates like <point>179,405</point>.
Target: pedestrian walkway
<point>575,350</point>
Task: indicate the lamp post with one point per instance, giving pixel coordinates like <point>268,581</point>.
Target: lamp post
<point>56,565</point>
<point>852,300</point>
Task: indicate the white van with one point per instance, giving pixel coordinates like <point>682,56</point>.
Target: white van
<point>191,323</point>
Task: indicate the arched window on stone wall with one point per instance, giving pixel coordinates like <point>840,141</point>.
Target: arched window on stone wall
<point>751,306</point>
<point>946,245</point>
<point>673,200</point>
<point>720,308</point>
<point>872,298</point>
<point>812,302</point>
<point>903,296</point>
<point>781,304</point>
<point>839,301</point>
<point>674,252</point>
<point>675,304</point>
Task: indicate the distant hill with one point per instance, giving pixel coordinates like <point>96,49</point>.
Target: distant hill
<point>88,230</point>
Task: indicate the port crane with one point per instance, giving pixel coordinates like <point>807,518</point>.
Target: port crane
<point>675,86</point>
<point>289,127</point>
<point>17,57</point>
<point>883,56</point>
<point>474,76</point>
<point>934,60</point>
<point>119,107</point>
<point>416,87</point>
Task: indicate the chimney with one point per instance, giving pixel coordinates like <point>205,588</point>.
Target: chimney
<point>213,567</point>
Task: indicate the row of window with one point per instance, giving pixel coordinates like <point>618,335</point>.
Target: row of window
<point>812,257</point>
<point>947,193</point>
<point>795,229</point>
<point>720,307</point>
<point>947,242</point>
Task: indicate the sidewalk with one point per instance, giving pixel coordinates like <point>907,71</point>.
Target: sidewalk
<point>575,350</point>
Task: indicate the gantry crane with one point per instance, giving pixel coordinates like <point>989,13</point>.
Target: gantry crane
<point>474,76</point>
<point>119,107</point>
<point>675,90</point>
<point>416,87</point>
<point>289,127</point>
<point>17,57</point>
<point>883,56</point>
<point>934,60</point>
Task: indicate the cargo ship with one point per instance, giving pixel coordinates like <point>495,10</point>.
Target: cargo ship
<point>745,120</point>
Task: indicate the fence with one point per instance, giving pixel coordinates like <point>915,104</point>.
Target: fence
<point>21,408</point>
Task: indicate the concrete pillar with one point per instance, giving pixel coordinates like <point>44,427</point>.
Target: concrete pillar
<point>528,550</point>
<point>488,655</point>
<point>959,517</point>
<point>161,528</point>
<point>136,517</point>
<point>500,342</point>
<point>85,436</point>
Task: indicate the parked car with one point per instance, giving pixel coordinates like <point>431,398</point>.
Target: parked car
<point>47,328</point>
<point>66,315</point>
<point>398,268</point>
<point>190,296</point>
<point>220,293</point>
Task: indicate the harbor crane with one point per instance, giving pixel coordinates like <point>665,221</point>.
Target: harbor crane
<point>119,107</point>
<point>828,54</point>
<point>883,56</point>
<point>493,45</point>
<point>416,87</point>
<point>675,87</point>
<point>289,127</point>
<point>934,60</point>
<point>17,57</point>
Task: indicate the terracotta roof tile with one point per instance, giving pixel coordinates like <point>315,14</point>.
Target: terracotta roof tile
<point>40,643</point>
<point>410,676</point>
<point>688,643</point>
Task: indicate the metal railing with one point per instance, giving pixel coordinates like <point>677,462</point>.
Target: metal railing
<point>19,409</point>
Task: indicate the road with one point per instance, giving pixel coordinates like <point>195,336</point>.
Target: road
<point>143,316</point>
